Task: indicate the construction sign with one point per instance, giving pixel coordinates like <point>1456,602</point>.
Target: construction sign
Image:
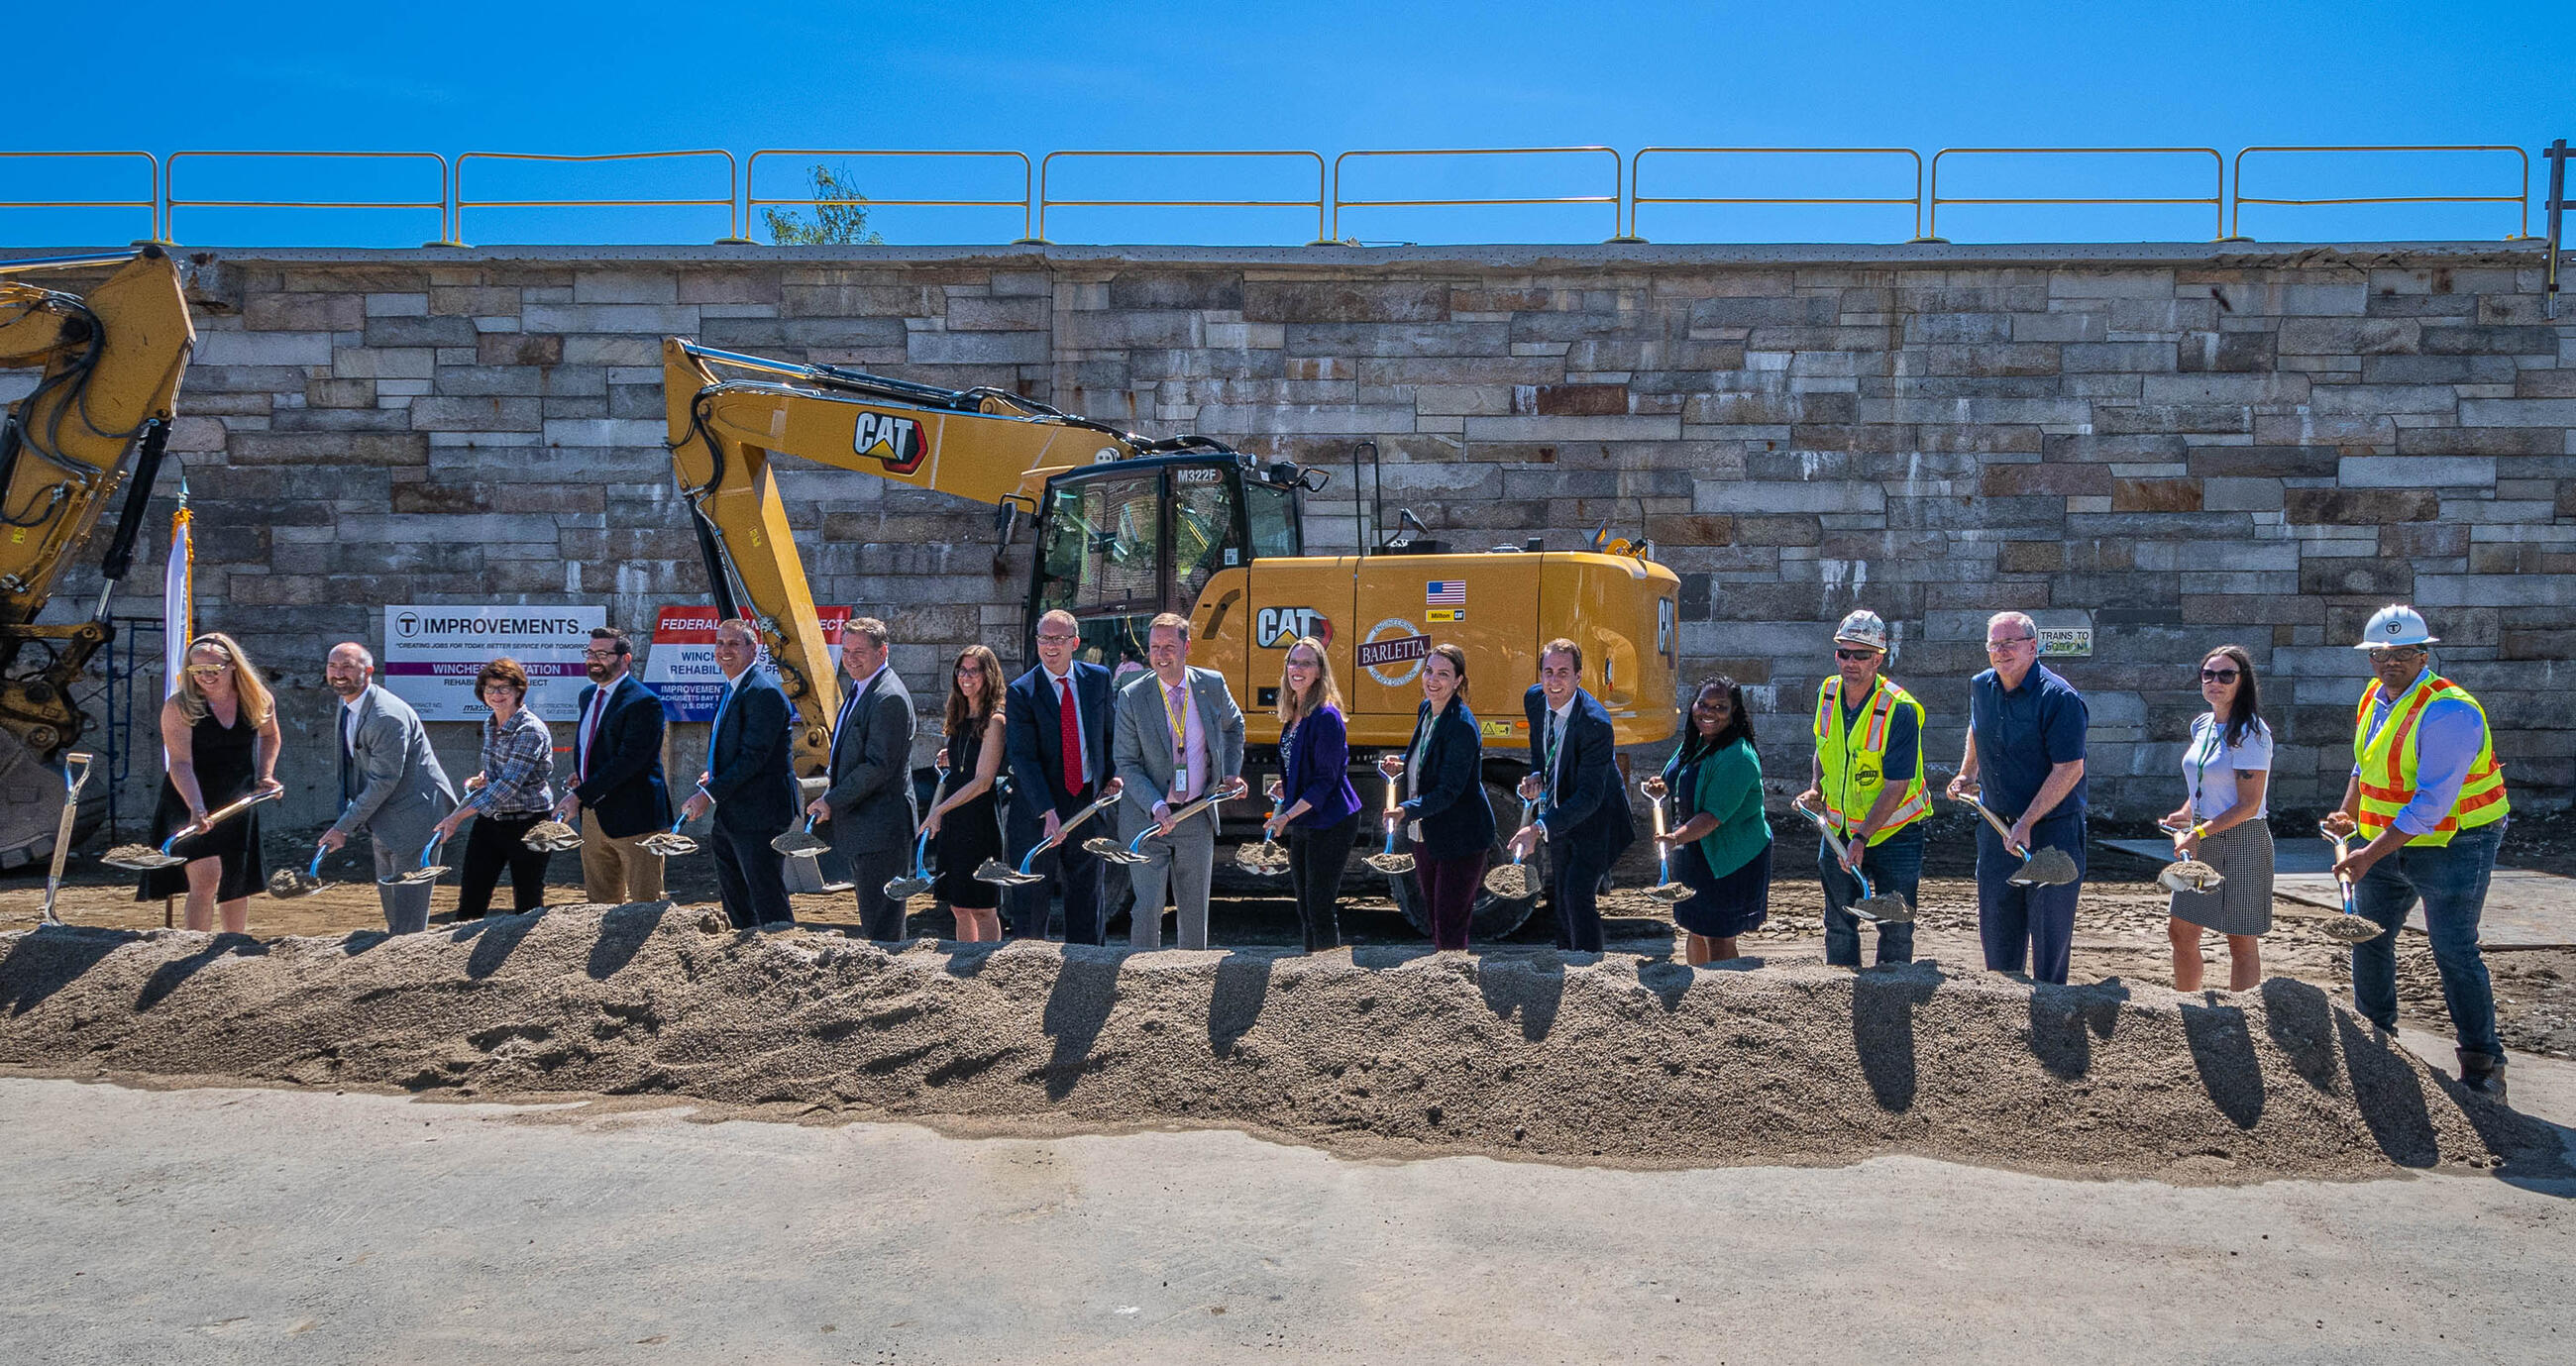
<point>681,664</point>
<point>433,651</point>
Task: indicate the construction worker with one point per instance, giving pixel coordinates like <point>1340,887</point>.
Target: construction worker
<point>2428,795</point>
<point>1867,782</point>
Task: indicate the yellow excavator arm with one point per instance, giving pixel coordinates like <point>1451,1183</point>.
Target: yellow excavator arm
<point>111,362</point>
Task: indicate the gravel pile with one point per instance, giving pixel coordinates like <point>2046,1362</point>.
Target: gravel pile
<point>1514,1053</point>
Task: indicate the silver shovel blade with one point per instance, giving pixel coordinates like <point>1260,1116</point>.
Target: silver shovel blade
<point>907,887</point>
<point>1887,908</point>
<point>1667,893</point>
<point>1510,881</point>
<point>669,845</point>
<point>2350,929</point>
<point>1264,859</point>
<point>995,871</point>
<point>1391,864</point>
<point>2191,875</point>
<point>288,883</point>
<point>432,873</point>
<point>796,842</point>
<point>553,837</point>
<point>139,858</point>
<point>2050,867</point>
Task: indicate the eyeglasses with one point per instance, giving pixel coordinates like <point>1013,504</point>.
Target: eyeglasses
<point>1997,647</point>
<point>1855,656</point>
<point>1055,639</point>
<point>599,654</point>
<point>2218,675</point>
<point>2397,652</point>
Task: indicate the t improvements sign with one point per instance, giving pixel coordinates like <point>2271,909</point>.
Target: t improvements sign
<point>433,652</point>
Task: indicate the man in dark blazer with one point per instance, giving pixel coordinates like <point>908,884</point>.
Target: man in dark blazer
<point>868,799</point>
<point>1584,814</point>
<point>1056,736</point>
<point>749,782</point>
<point>617,791</point>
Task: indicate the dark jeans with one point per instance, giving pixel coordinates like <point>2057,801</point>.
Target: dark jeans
<point>750,876</point>
<point>498,842</point>
<point>2032,923</point>
<point>2452,880</point>
<point>1069,866</point>
<point>1573,893</point>
<point>1894,865</point>
<point>1316,858</point>
<point>1449,887</point>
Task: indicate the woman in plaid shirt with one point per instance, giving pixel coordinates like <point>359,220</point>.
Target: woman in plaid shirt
<point>512,793</point>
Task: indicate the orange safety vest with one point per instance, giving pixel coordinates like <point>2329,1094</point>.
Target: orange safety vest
<point>1854,769</point>
<point>2387,764</point>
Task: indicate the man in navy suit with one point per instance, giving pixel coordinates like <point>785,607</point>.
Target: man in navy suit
<point>1056,736</point>
<point>1574,775</point>
<point>617,791</point>
<point>868,805</point>
<point>749,781</point>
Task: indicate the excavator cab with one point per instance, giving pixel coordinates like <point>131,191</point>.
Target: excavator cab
<point>1119,542</point>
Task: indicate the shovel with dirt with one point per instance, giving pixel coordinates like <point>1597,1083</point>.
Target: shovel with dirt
<point>143,858</point>
<point>1874,905</point>
<point>1513,881</point>
<point>1002,874</point>
<point>1665,892</point>
<point>2187,874</point>
<point>1132,852</point>
<point>1389,861</point>
<point>2351,927</point>
<point>2050,867</point>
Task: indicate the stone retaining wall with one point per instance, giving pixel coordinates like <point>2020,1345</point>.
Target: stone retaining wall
<point>2175,446</point>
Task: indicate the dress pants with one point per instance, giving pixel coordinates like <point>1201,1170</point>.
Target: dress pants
<point>2036,924</point>
<point>1894,866</point>
<point>1449,887</point>
<point>1068,867</point>
<point>1573,893</point>
<point>2452,880</point>
<point>1187,861</point>
<point>1316,859</point>
<point>880,916</point>
<point>617,871</point>
<point>495,843</point>
<point>398,845</point>
<point>750,878</point>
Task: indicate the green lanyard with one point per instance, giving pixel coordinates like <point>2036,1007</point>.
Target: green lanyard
<point>2201,756</point>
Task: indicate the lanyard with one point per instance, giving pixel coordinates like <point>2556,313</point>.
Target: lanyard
<point>1179,719</point>
<point>2201,756</point>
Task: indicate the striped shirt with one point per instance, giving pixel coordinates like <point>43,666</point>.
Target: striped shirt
<point>518,764</point>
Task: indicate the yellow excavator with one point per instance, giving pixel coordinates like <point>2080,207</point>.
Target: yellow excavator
<point>110,365</point>
<point>1125,527</point>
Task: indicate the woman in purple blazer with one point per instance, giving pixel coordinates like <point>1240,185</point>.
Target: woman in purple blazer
<point>1322,814</point>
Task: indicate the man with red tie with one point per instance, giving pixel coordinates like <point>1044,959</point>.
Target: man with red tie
<point>1056,737</point>
<point>617,792</point>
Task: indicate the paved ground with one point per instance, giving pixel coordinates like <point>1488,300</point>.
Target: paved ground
<point>217,1225</point>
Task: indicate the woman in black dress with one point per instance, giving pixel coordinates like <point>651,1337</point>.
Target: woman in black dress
<point>965,824</point>
<point>220,733</point>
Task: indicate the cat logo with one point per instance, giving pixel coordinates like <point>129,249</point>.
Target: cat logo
<point>1277,628</point>
<point>894,440</point>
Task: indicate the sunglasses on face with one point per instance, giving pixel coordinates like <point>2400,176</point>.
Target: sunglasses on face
<point>1855,656</point>
<point>209,670</point>
<point>2218,675</point>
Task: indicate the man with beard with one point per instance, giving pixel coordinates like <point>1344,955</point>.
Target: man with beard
<point>617,790</point>
<point>390,782</point>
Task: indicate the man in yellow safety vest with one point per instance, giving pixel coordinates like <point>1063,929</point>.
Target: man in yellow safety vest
<point>2428,795</point>
<point>1867,782</point>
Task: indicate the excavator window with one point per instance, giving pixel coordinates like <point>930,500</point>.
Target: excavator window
<point>1270,512</point>
<point>1118,545</point>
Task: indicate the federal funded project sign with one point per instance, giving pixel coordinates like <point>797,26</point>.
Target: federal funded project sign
<point>681,665</point>
<point>432,654</point>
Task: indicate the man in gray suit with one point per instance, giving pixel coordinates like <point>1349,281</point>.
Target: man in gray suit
<point>1177,737</point>
<point>389,780</point>
<point>868,800</point>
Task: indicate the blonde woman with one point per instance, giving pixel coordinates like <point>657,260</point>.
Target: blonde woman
<point>220,733</point>
<point>1321,815</point>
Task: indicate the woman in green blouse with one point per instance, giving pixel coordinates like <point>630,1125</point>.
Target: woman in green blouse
<point>1722,849</point>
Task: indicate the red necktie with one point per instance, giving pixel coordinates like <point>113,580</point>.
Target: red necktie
<point>1069,723</point>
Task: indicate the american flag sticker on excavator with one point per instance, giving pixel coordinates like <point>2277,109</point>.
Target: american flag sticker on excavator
<point>1445,593</point>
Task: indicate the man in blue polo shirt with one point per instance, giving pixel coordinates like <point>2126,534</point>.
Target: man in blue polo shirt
<point>2026,752</point>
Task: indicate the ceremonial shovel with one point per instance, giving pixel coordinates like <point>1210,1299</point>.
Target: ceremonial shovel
<point>286,884</point>
<point>1002,874</point>
<point>1268,858</point>
<point>1666,891</point>
<point>1513,880</point>
<point>553,837</point>
<point>1131,852</point>
<point>1885,908</point>
<point>430,870</point>
<point>2051,867</point>
<point>1390,862</point>
<point>803,841</point>
<point>75,776</point>
<point>2351,927</point>
<point>917,881</point>
<point>141,858</point>
<point>670,843</point>
<point>2190,874</point>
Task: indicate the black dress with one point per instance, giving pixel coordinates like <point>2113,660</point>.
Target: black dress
<point>226,772</point>
<point>968,834</point>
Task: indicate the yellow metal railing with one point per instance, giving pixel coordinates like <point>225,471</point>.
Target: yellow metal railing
<point>733,212</point>
<point>1638,198</point>
<point>151,207</point>
<point>172,202</point>
<point>1618,182</point>
<point>2217,200</point>
<point>2236,214</point>
<point>753,199</point>
<point>1047,199</point>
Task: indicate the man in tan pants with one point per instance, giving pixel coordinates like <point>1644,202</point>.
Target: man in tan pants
<point>617,785</point>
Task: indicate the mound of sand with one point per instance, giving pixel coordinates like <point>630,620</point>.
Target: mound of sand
<point>1514,1053</point>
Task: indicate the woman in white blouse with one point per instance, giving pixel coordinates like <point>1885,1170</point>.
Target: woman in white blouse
<point>2225,770</point>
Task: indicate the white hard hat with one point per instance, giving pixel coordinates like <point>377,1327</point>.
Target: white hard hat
<point>2395,625</point>
<point>1862,628</point>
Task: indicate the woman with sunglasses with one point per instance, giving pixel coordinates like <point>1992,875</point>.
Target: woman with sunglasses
<point>2225,770</point>
<point>220,733</point>
<point>1321,812</point>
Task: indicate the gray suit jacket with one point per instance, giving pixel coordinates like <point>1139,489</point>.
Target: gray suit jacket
<point>394,786</point>
<point>1141,744</point>
<point>870,779</point>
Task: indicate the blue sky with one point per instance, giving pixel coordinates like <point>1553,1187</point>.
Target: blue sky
<point>1327,77</point>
